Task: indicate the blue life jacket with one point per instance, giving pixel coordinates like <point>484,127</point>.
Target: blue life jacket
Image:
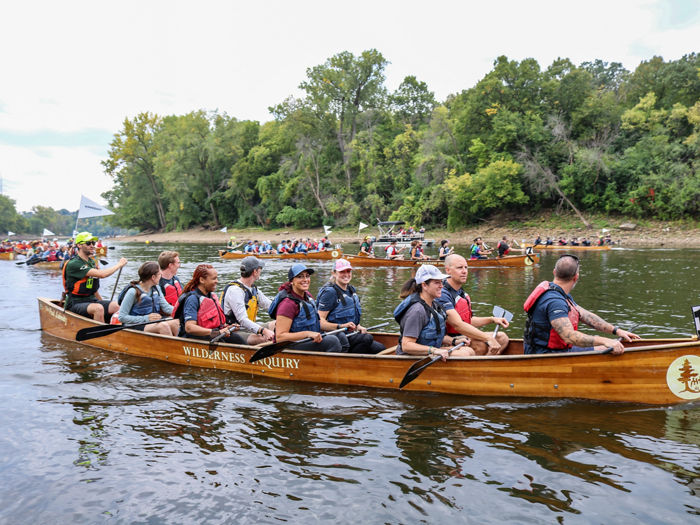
<point>347,308</point>
<point>306,319</point>
<point>148,304</point>
<point>433,332</point>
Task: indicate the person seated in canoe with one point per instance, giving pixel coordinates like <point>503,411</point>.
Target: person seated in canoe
<point>502,247</point>
<point>585,242</point>
<point>300,247</point>
<point>553,317</point>
<point>339,306</point>
<point>549,242</point>
<point>248,248</point>
<point>561,241</point>
<point>393,251</point>
<point>297,317</point>
<point>574,241</point>
<point>416,251</point>
<point>141,301</point>
<point>282,247</point>
<point>81,281</point>
<point>366,249</point>
<point>422,319</point>
<point>460,317</point>
<point>241,300</point>
<point>231,242</point>
<point>538,240</point>
<point>266,248</point>
<point>199,311</point>
<point>169,283</point>
<point>477,250</point>
<point>445,249</point>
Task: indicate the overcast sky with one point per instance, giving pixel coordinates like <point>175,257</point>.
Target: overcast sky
<point>72,71</point>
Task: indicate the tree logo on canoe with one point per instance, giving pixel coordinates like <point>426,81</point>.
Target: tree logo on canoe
<point>683,377</point>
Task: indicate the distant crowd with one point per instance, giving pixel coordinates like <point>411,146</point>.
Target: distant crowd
<point>285,246</point>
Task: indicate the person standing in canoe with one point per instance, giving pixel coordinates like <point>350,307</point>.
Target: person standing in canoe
<point>141,301</point>
<point>422,319</point>
<point>199,311</point>
<point>297,318</point>
<point>458,307</point>
<point>170,285</point>
<point>553,317</point>
<point>241,301</point>
<point>81,281</point>
<point>339,306</point>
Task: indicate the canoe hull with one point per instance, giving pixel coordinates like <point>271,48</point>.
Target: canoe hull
<point>639,376</point>
<point>7,256</point>
<point>325,255</point>
<point>569,248</point>
<point>509,261</point>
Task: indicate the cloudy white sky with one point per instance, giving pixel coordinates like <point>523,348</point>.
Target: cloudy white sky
<point>72,71</point>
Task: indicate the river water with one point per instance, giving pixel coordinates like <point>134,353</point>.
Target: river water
<point>88,436</point>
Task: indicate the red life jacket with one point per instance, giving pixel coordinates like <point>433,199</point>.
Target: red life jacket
<point>171,291</point>
<point>209,314</point>
<point>463,306</point>
<point>531,332</point>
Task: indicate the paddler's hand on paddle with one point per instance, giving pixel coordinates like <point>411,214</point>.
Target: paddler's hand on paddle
<point>502,321</point>
<point>625,335</point>
<point>350,326</point>
<point>494,346</point>
<point>615,344</point>
<point>269,335</point>
<point>361,329</point>
<point>314,336</point>
<point>122,262</point>
<point>154,316</point>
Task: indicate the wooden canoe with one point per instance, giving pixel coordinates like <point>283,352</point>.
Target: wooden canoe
<point>325,255</point>
<point>7,256</point>
<point>507,261</point>
<point>568,247</point>
<point>663,371</point>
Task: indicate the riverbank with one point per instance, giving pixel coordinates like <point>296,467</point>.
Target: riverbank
<point>648,234</point>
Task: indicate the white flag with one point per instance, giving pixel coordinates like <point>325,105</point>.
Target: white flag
<point>9,233</point>
<point>47,233</point>
<point>362,226</point>
<point>327,229</point>
<point>75,233</point>
<point>90,208</point>
<point>224,229</point>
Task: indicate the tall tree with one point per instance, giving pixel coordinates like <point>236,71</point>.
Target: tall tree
<point>137,192</point>
<point>344,86</point>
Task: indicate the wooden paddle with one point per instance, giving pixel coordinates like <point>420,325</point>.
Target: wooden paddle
<point>267,351</point>
<point>92,332</point>
<point>417,368</point>
<point>115,284</point>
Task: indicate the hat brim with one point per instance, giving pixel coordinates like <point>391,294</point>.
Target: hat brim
<point>310,270</point>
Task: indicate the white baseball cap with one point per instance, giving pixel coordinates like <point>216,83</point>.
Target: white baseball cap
<point>427,272</point>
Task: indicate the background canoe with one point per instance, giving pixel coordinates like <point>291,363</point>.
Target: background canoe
<point>7,256</point>
<point>507,261</point>
<point>568,247</point>
<point>650,371</point>
<point>325,255</point>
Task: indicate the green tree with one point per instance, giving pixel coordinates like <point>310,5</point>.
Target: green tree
<point>137,191</point>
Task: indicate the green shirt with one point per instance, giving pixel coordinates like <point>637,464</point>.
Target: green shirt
<point>76,270</point>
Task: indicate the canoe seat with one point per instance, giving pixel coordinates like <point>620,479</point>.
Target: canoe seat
<point>389,350</point>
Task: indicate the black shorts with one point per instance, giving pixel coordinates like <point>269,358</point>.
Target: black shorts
<point>81,308</point>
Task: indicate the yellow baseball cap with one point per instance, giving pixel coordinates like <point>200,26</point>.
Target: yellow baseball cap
<point>84,237</point>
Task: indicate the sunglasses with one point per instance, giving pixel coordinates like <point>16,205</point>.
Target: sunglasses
<point>89,243</point>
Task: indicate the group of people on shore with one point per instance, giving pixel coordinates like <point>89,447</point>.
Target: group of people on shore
<point>435,313</point>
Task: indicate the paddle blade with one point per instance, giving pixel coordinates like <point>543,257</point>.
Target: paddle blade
<point>97,331</point>
<point>270,350</point>
<point>498,311</point>
<point>417,368</point>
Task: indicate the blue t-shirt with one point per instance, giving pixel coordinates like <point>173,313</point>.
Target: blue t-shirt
<point>327,299</point>
<point>550,306</point>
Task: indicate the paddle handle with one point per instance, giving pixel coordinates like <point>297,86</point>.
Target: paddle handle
<point>115,284</point>
<point>226,332</point>
<point>370,328</point>
<point>323,334</point>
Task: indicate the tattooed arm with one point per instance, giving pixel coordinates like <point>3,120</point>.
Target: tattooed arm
<point>566,331</point>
